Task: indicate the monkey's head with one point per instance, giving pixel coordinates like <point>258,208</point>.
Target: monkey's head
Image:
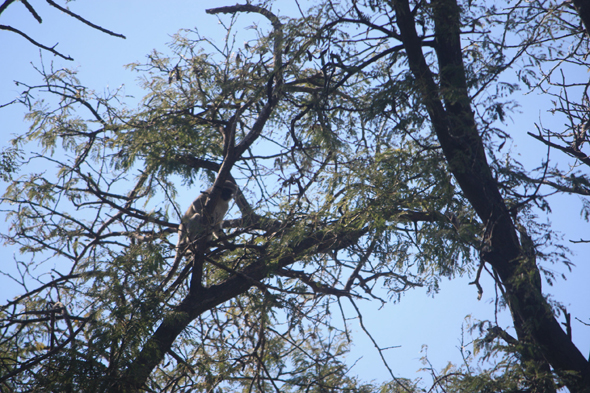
<point>228,190</point>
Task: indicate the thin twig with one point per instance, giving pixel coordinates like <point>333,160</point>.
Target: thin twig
<point>379,349</point>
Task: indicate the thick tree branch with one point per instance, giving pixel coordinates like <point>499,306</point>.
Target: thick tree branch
<point>583,9</point>
<point>196,303</point>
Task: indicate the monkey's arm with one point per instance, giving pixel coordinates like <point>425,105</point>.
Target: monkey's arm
<point>218,215</point>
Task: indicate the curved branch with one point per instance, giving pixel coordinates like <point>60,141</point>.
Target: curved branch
<point>37,44</point>
<point>275,92</point>
<point>5,5</point>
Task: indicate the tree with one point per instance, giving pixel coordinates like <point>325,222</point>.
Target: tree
<point>366,139</point>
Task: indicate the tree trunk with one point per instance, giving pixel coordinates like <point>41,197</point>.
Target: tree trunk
<point>463,148</point>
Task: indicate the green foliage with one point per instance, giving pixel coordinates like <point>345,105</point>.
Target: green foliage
<point>346,192</point>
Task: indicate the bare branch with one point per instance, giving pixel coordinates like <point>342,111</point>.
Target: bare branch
<point>32,11</point>
<point>74,15</point>
<point>5,5</point>
<point>47,48</point>
<point>566,149</point>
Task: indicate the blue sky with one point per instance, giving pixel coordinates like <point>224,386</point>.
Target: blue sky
<point>417,319</point>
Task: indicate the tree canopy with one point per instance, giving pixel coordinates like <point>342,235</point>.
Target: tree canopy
<point>370,144</point>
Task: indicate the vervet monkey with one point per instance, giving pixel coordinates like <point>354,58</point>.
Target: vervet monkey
<point>193,224</point>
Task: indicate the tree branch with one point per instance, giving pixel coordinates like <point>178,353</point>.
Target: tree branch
<point>32,11</point>
<point>86,22</point>
<point>37,44</point>
<point>196,303</point>
<point>566,149</point>
<point>463,149</point>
